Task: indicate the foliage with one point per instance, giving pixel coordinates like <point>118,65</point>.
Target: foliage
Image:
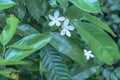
<point>49,39</point>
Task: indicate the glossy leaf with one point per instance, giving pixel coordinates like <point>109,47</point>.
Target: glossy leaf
<point>10,73</point>
<point>9,31</point>
<point>100,43</point>
<point>25,30</point>
<point>4,4</point>
<point>98,23</point>
<point>53,3</point>
<point>117,72</point>
<point>86,74</point>
<point>53,62</point>
<point>63,4</point>
<point>5,62</point>
<point>75,10</point>
<point>91,6</point>
<point>36,8</point>
<point>106,74</point>
<point>32,66</point>
<point>65,46</point>
<point>82,15</point>
<point>35,41</point>
<point>113,76</point>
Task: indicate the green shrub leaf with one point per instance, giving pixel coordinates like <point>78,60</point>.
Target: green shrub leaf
<point>4,4</point>
<point>34,41</point>
<point>101,44</point>
<point>9,31</point>
<point>91,6</point>
<point>53,62</point>
<point>82,15</point>
<point>86,73</point>
<point>65,46</point>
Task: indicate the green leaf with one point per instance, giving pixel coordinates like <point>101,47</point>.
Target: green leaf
<point>75,10</point>
<point>10,73</point>
<point>42,68</point>
<point>82,15</point>
<point>68,48</point>
<point>23,47</point>
<point>100,43</point>
<point>25,30</point>
<point>86,74</point>
<point>32,66</point>
<point>9,31</point>
<point>117,72</point>
<point>63,4</point>
<point>6,62</point>
<point>113,76</point>
<point>4,4</point>
<point>36,8</point>
<point>106,74</point>
<point>98,23</point>
<point>35,41</point>
<point>91,6</point>
<point>53,3</point>
<point>53,62</point>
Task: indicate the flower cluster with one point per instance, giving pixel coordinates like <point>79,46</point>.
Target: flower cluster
<point>61,21</point>
<point>88,54</point>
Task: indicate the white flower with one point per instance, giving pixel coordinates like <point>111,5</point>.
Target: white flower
<point>66,28</point>
<point>55,20</point>
<point>88,54</point>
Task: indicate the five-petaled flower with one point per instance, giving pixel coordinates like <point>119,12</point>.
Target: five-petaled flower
<point>66,28</point>
<point>55,20</point>
<point>88,54</point>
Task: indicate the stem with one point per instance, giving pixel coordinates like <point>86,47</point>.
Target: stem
<point>4,49</point>
<point>52,30</point>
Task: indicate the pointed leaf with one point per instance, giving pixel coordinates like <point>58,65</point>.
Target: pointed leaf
<point>6,62</point>
<point>82,15</point>
<point>9,31</point>
<point>98,22</point>
<point>10,73</point>
<point>53,62</point>
<point>86,74</point>
<point>34,41</point>
<point>4,4</point>
<point>68,48</point>
<point>25,30</point>
<point>101,44</point>
<point>91,6</point>
<point>37,8</point>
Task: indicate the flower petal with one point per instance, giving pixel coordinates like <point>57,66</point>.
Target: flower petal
<point>58,23</point>
<point>91,55</point>
<point>56,14</point>
<point>87,57</point>
<point>89,52</point>
<point>85,51</point>
<point>51,23</point>
<point>51,17</point>
<point>66,22</point>
<point>71,28</point>
<point>62,32</point>
<point>68,33</point>
<point>61,18</point>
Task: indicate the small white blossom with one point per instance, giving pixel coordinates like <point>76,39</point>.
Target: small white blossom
<point>66,28</point>
<point>88,54</point>
<point>55,20</point>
